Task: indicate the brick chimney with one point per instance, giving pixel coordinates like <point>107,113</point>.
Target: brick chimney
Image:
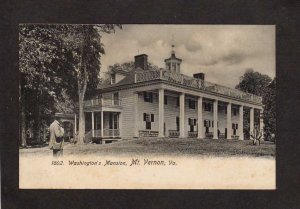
<point>199,76</point>
<point>141,61</point>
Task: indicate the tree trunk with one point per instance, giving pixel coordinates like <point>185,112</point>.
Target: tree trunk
<point>23,126</point>
<point>23,116</point>
<point>81,126</point>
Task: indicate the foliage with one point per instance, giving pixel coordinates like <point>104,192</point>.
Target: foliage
<point>58,65</point>
<point>270,111</point>
<point>261,85</point>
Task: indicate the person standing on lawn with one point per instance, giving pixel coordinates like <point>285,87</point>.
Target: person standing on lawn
<point>56,136</point>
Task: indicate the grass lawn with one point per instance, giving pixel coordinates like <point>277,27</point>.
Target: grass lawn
<point>156,146</point>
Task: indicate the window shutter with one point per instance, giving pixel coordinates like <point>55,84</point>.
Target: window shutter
<point>145,116</point>
<point>177,120</point>
<point>212,123</point>
<point>209,123</point>
<point>195,121</point>
<point>152,117</point>
<point>237,126</point>
<point>233,126</point>
<point>145,95</point>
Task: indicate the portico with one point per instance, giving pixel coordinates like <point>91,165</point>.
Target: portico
<point>190,114</point>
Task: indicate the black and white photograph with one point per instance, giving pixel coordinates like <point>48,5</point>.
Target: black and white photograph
<point>147,106</point>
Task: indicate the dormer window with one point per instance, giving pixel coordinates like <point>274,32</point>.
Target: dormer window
<point>113,78</point>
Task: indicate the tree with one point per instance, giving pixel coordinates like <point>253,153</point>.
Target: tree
<point>269,113</point>
<point>258,84</point>
<point>55,61</point>
<point>82,44</point>
<point>39,86</point>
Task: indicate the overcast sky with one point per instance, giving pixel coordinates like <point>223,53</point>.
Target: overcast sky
<point>222,52</point>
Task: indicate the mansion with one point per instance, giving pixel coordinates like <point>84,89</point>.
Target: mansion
<point>142,102</point>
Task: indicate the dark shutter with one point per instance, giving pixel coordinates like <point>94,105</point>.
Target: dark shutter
<point>195,121</point>
<point>145,95</point>
<point>233,126</point>
<point>177,119</point>
<point>152,117</point>
<point>166,99</point>
<point>237,127</point>
<point>212,123</point>
<point>209,123</point>
<point>145,115</point>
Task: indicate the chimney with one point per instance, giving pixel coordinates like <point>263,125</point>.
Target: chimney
<point>141,61</point>
<point>199,76</point>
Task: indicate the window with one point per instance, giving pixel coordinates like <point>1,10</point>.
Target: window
<point>177,123</point>
<point>148,125</point>
<point>208,107</point>
<point>234,127</point>
<point>192,123</point>
<point>192,104</point>
<point>113,78</point>
<point>115,98</point>
<point>206,123</point>
<point>235,111</point>
<point>166,99</point>
<point>148,97</point>
<point>148,118</point>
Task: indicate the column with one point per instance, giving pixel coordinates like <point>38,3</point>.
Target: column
<point>161,103</point>
<point>229,125</point>
<point>200,119</point>
<point>181,115</point>
<point>261,123</point>
<point>215,119</point>
<point>102,121</point>
<point>136,115</point>
<point>251,120</point>
<point>93,124</point>
<point>241,124</point>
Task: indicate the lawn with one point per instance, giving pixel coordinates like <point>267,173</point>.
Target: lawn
<point>166,146</point>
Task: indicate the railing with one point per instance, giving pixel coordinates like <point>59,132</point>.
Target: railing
<point>192,134</point>
<point>107,133</point>
<point>174,133</point>
<point>209,135</point>
<point>102,102</point>
<point>194,83</point>
<point>148,133</point>
<point>234,137</point>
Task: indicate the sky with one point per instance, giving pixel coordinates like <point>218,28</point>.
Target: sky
<point>222,52</point>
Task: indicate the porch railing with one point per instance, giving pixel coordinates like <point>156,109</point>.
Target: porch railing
<point>107,133</point>
<point>194,83</point>
<point>209,135</point>
<point>102,102</point>
<point>192,134</point>
<point>174,133</point>
<point>148,133</point>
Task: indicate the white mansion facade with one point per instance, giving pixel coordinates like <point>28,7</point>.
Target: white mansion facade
<point>165,103</point>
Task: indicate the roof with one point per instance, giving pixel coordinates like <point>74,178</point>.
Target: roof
<point>173,57</point>
<point>129,79</point>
